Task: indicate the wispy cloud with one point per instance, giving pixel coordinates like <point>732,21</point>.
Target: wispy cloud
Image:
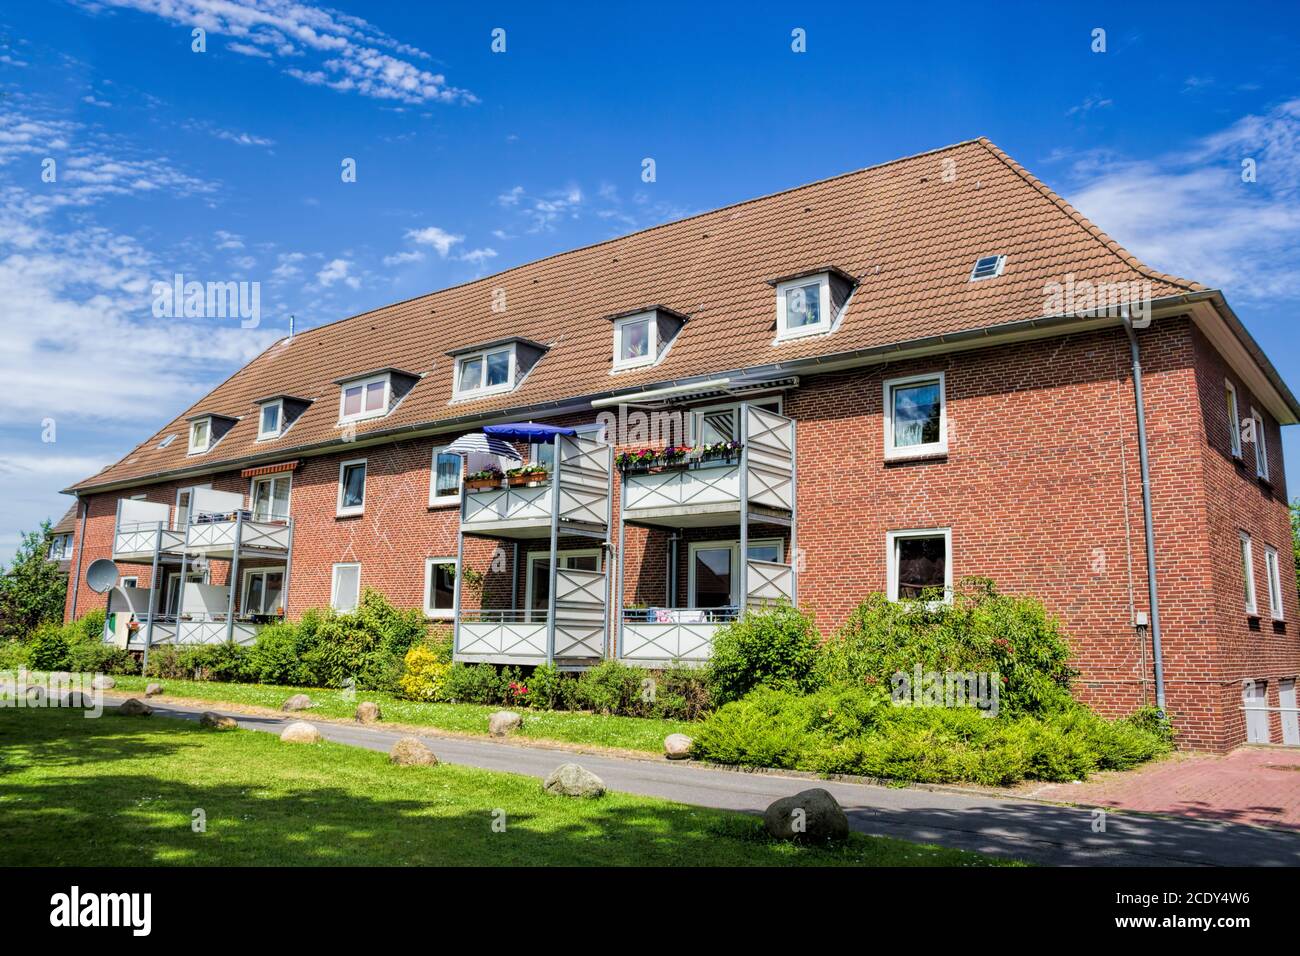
<point>439,239</point>
<point>337,270</point>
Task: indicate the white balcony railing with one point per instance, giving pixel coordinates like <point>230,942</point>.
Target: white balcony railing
<point>214,533</point>
<point>137,540</point>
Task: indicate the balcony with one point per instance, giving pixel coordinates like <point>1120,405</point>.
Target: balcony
<point>221,534</point>
<point>143,529</point>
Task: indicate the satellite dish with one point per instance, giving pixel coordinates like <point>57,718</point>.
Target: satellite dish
<point>101,576</point>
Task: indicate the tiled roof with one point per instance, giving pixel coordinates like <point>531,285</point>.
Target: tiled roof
<point>909,231</point>
<point>67,524</point>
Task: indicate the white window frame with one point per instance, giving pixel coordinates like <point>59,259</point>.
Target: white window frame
<point>1261,445</point>
<point>1234,418</point>
<point>364,384</point>
<point>278,405</point>
<point>1273,574</point>
<point>207,436</point>
<point>131,581</point>
<point>652,341</point>
<point>436,500</point>
<point>891,558</point>
<point>351,510</point>
<point>929,449</point>
<point>997,269</point>
<point>733,544</point>
<point>252,494</point>
<point>825,320</point>
<point>60,547</point>
<point>442,613</point>
<point>482,390</point>
<point>696,420</point>
<point>176,507</point>
<point>248,575</point>
<point>334,585</point>
<point>1248,572</point>
<point>535,556</point>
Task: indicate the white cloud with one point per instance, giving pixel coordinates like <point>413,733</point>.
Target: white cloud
<point>229,240</point>
<point>478,256</point>
<point>336,270</point>
<point>441,240</point>
<point>402,258</point>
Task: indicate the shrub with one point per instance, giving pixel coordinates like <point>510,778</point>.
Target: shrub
<point>215,662</point>
<point>366,645</point>
<point>776,647</point>
<point>612,687</point>
<point>550,688</point>
<point>50,648</point>
<point>165,662</point>
<point>277,657</point>
<point>474,684</point>
<point>758,731</point>
<point>424,676</point>
<point>15,655</point>
<point>97,657</point>
<point>681,693</point>
<point>980,631</point>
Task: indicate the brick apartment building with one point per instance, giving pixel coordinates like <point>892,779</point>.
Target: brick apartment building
<point>919,365</point>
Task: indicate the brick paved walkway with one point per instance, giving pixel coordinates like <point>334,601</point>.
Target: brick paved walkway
<point>1250,785</point>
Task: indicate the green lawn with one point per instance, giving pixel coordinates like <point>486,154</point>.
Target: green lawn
<point>122,791</point>
<point>626,733</point>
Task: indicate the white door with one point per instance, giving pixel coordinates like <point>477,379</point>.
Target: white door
<point>1290,719</point>
<point>1254,696</point>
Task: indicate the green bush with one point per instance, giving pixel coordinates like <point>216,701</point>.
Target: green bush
<point>980,631</point>
<point>50,648</point>
<point>15,655</point>
<point>776,647</point>
<point>97,657</point>
<point>215,662</point>
<point>366,646</point>
<point>681,693</point>
<point>550,688</point>
<point>612,687</point>
<point>475,684</point>
<point>425,674</point>
<point>278,657</point>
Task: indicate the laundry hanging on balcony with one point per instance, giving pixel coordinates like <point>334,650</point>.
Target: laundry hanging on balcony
<point>528,432</point>
<point>478,443</point>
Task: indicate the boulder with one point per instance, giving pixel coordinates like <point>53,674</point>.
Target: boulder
<point>134,707</point>
<point>677,746</point>
<point>368,712</point>
<point>812,816</point>
<point>503,721</point>
<point>102,682</point>
<point>297,702</point>
<point>410,752</point>
<point>571,780</point>
<point>214,721</point>
<point>153,690</point>
<point>301,732</point>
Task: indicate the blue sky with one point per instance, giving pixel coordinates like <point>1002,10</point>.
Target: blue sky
<point>225,164</point>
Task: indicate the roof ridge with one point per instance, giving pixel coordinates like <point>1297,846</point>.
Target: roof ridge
<point>1087,224</point>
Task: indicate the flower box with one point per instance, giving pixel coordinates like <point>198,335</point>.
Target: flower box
<point>482,484</point>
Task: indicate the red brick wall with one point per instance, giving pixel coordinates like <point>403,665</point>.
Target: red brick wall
<point>1040,487</point>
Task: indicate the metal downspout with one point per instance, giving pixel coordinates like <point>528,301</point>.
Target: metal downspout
<point>1147,520</point>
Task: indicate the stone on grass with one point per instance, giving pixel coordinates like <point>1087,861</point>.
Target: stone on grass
<point>502,722</point>
<point>134,707</point>
<point>214,721</point>
<point>153,690</point>
<point>812,816</point>
<point>301,732</point>
<point>368,712</point>
<point>677,746</point>
<point>411,752</point>
<point>102,682</point>
<point>571,780</point>
<point>297,702</point>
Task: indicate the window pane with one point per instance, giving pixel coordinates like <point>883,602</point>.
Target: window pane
<point>540,604</point>
<point>374,396</point>
<point>498,368</point>
<point>262,500</point>
<point>471,374</point>
<point>254,595</point>
<point>765,552</point>
<point>446,476</point>
<point>635,340</point>
<point>199,434</point>
<point>346,581</point>
<point>442,584</point>
<point>280,499</point>
<point>352,400</point>
<point>270,419</point>
<point>803,306</point>
<point>921,564</point>
<point>273,585</point>
<point>712,577</point>
<point>916,414</point>
<point>583,562</point>
<point>718,426</point>
<point>354,486</point>
<point>1247,575</point>
<point>1261,450</point>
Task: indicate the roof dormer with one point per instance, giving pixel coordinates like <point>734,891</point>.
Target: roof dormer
<point>643,337</point>
<point>372,394</point>
<point>810,303</point>
<point>492,368</point>
<point>206,429</point>
<point>276,413</point>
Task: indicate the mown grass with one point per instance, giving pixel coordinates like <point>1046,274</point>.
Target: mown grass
<point>119,791</point>
<point>625,733</point>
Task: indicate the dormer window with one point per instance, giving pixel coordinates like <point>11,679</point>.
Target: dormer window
<point>200,435</point>
<point>270,422</point>
<point>635,341</point>
<point>487,372</point>
<point>810,303</point>
<point>364,399</point>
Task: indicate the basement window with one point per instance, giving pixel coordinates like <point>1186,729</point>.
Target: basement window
<point>987,267</point>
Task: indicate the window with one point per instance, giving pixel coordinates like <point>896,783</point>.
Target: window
<point>444,477</point>
<point>918,560</point>
<point>185,505</point>
<point>439,587</point>
<point>364,399</point>
<point>916,416</point>
<point>803,307</point>
<point>1273,571</point>
<point>345,589</point>
<point>721,422</point>
<point>1234,418</point>
<point>485,373</point>
<point>131,582</point>
<point>712,576</point>
<point>200,435</point>
<point>270,497</point>
<point>537,590</point>
<point>60,547</point>
<point>987,267</point>
<point>268,425</point>
<point>263,588</point>
<point>352,487</point>
<point>1261,445</point>
<point>1248,573</point>
<point>636,341</point>
<point>167,440</point>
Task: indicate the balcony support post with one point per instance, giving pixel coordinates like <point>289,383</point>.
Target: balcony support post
<point>606,554</point>
<point>794,513</point>
<point>555,541</point>
<point>153,599</point>
<point>455,589</point>
<point>288,566</point>
<point>233,584</point>
<point>622,556</point>
<point>743,575</point>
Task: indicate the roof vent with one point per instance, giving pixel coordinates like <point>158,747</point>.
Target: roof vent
<point>987,267</point>
<point>167,441</point>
